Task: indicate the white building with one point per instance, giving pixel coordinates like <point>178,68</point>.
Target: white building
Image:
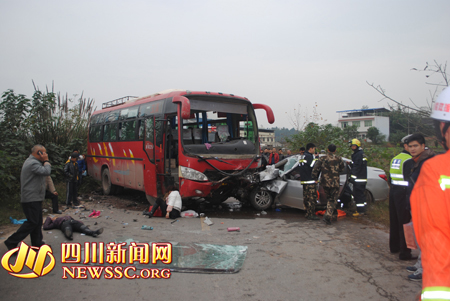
<point>364,119</point>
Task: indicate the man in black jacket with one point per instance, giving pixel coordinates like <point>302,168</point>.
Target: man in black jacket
<point>358,176</point>
<point>306,165</point>
<point>71,172</point>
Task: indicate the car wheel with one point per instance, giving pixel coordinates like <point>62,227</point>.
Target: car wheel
<point>369,197</point>
<point>261,199</point>
<point>107,186</point>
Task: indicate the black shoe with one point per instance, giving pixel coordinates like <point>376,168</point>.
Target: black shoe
<point>97,232</point>
<point>313,218</point>
<point>411,257</point>
<point>57,212</point>
<point>411,269</point>
<point>68,233</point>
<point>145,212</point>
<point>10,246</point>
<point>326,221</point>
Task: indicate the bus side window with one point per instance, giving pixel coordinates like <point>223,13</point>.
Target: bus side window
<point>141,129</point>
<point>127,132</point>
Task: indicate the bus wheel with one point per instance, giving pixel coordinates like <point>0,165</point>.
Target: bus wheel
<point>108,188</point>
<point>261,199</point>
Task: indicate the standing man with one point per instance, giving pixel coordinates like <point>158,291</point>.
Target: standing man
<point>51,193</point>
<point>280,155</point>
<point>330,166</point>
<point>71,172</point>
<point>399,212</point>
<point>288,153</point>
<point>306,166</point>
<point>302,150</point>
<point>431,211</point>
<point>273,158</point>
<point>32,187</point>
<point>358,176</point>
<point>420,153</point>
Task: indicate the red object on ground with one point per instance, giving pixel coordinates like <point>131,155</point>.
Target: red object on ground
<point>158,212</point>
<point>340,213</point>
<point>231,229</point>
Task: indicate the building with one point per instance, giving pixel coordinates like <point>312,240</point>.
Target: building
<point>364,119</point>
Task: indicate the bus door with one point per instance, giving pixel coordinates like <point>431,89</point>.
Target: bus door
<point>150,179</point>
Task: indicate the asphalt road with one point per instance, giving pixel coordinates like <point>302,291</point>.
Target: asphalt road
<point>289,258</point>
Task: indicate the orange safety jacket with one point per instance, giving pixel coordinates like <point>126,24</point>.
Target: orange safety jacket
<point>430,208</point>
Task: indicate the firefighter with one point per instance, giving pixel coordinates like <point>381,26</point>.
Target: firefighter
<point>358,176</point>
<point>399,212</point>
<point>306,165</point>
<point>330,166</point>
<point>430,208</point>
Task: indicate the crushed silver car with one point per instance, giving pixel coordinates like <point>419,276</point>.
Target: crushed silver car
<point>280,183</point>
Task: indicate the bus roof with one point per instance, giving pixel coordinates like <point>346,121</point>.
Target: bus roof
<point>109,106</point>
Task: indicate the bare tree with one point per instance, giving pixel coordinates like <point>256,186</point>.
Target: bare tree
<point>430,70</point>
<point>300,117</point>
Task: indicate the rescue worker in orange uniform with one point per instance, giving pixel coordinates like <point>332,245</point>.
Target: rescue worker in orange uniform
<point>430,208</point>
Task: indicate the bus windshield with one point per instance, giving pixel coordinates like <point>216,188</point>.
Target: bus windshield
<point>221,127</point>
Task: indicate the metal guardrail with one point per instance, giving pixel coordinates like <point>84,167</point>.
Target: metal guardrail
<point>117,102</point>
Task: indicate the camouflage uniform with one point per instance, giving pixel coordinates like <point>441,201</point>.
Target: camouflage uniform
<point>305,168</point>
<point>330,166</point>
<point>310,198</point>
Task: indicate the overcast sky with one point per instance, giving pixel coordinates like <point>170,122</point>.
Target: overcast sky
<point>280,53</point>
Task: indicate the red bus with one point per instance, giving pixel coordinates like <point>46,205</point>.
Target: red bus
<point>200,143</point>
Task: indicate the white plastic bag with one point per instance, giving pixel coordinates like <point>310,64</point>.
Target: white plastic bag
<point>189,213</point>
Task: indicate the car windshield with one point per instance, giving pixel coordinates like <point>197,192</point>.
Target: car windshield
<point>292,162</point>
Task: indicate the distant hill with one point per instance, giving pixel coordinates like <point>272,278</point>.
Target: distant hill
<point>281,134</point>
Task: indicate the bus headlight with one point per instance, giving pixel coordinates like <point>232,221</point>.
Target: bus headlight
<point>192,174</point>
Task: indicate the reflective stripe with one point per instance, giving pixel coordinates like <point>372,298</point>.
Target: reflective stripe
<point>361,180</point>
<point>302,161</point>
<point>307,182</point>
<point>364,159</point>
<point>436,293</point>
<point>360,205</point>
<point>401,183</point>
<point>444,182</point>
<point>354,177</point>
<point>313,162</point>
<point>396,175</point>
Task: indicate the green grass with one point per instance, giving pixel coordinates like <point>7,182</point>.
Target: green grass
<point>379,212</point>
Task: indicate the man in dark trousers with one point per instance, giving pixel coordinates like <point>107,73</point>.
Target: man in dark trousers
<point>51,193</point>
<point>306,165</point>
<point>71,172</point>
<point>330,167</point>
<point>68,225</point>
<point>399,213</point>
<point>358,176</point>
<point>32,187</point>
<point>420,153</point>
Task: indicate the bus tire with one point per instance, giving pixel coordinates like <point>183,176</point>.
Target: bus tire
<point>107,186</point>
<point>261,199</point>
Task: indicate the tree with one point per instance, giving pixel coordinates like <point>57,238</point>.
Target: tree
<point>374,134</point>
<point>350,132</point>
<point>299,118</point>
<point>47,119</point>
<point>430,70</point>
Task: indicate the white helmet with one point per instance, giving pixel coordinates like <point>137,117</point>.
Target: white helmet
<point>441,107</point>
<point>441,113</point>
